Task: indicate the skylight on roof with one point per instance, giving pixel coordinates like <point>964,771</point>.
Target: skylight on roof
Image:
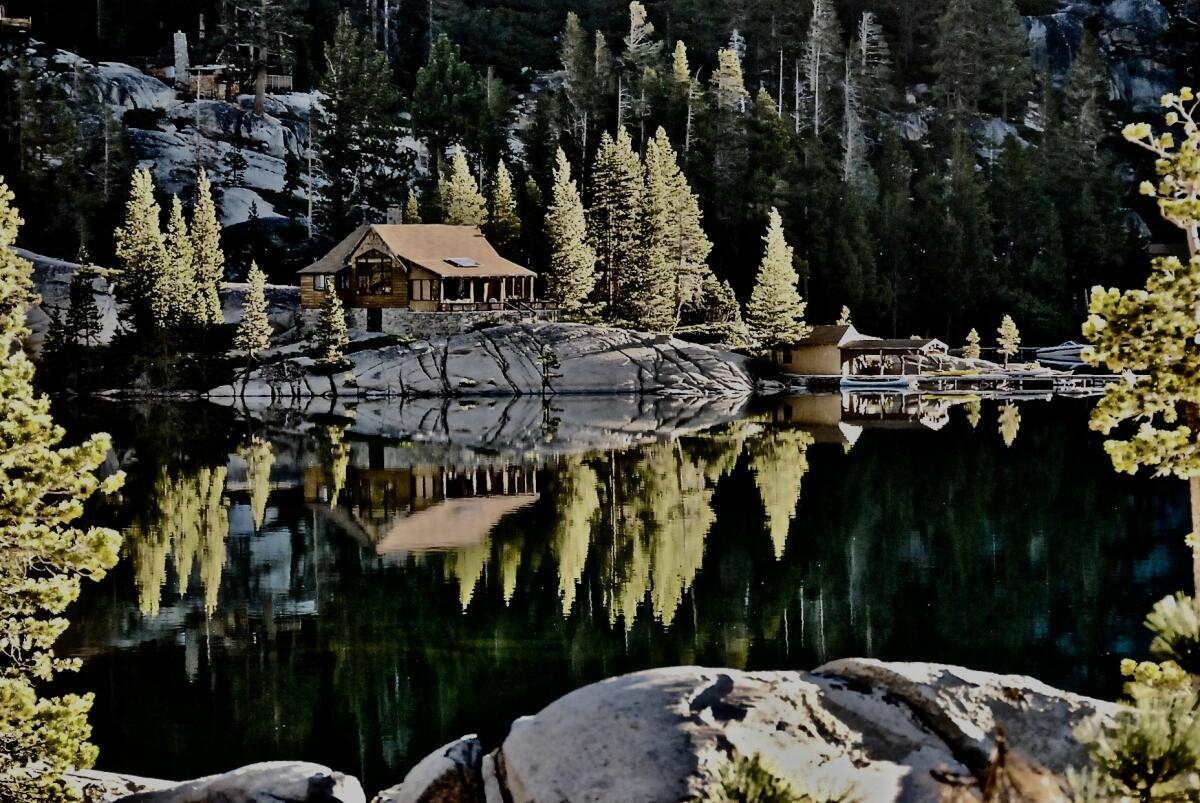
<point>462,262</point>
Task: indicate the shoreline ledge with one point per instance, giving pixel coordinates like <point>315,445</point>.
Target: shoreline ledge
<point>883,732</point>
<point>506,360</point>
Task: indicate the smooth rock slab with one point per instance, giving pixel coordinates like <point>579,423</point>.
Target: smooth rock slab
<point>878,732</point>
<point>268,782</point>
<point>449,774</point>
<point>664,735</point>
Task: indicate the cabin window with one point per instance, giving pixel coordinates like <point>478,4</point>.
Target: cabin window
<point>343,280</point>
<point>319,281</point>
<point>374,270</point>
<point>420,290</point>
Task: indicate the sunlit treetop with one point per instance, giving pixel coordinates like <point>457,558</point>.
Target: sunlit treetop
<point>1151,335</point>
<point>1178,166</point>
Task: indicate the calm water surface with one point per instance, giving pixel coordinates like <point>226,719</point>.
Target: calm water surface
<point>357,591</point>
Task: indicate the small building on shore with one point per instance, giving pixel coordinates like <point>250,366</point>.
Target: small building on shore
<point>844,351</point>
<point>419,268</point>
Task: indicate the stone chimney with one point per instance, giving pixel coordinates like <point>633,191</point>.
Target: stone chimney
<point>395,215</point>
<point>181,58</point>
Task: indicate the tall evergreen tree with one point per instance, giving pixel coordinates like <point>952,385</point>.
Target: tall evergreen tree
<point>445,99</point>
<point>577,53</point>
<point>640,70</point>
<point>572,270</point>
<point>960,59</point>
<point>254,330</point>
<point>822,67</point>
<point>775,314</point>
<point>462,202</point>
<point>504,224</point>
<point>179,299</point>
<point>207,256</point>
<point>143,258</point>
<point>331,338</point>
<point>356,133</point>
<point>44,555</point>
<point>83,318</point>
<point>677,221</point>
<point>1008,71</point>
<point>617,184</point>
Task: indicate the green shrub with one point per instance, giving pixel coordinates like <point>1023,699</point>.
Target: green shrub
<point>1150,749</point>
<point>1176,628</point>
<point>746,779</point>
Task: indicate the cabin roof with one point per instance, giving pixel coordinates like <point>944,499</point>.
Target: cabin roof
<point>447,251</point>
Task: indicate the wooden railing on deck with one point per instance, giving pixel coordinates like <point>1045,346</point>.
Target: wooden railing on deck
<point>23,23</point>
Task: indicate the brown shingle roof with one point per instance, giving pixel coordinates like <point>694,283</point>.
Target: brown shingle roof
<point>825,335</point>
<point>428,245</point>
<point>335,260</point>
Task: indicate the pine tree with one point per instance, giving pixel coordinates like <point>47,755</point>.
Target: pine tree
<point>181,302</point>
<point>578,60</point>
<point>331,337</point>
<point>1008,339</point>
<point>1008,71</point>
<point>412,207</point>
<point>617,185</point>
<point>504,225</point>
<point>462,203</point>
<point>235,161</point>
<point>445,100</point>
<point>572,271</point>
<point>844,318</point>
<point>775,314</point>
<point>960,55</point>
<point>143,258</point>
<point>44,556</point>
<point>207,256</point>
<point>687,243</point>
<point>254,330</point>
<point>972,351</point>
<point>640,61</point>
<point>822,65</point>
<point>83,318</point>
<point>356,132</point>
<point>873,72</point>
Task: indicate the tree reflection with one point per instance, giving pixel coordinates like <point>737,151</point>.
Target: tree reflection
<point>1009,423</point>
<point>259,458</point>
<point>779,460</point>
<point>189,522</point>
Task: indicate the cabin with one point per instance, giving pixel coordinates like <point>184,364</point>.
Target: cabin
<point>418,268</point>
<point>844,351</point>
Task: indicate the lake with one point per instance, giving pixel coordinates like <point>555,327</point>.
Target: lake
<point>358,585</point>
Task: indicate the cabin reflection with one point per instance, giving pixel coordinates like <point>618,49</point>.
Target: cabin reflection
<point>405,509</point>
<point>842,418</point>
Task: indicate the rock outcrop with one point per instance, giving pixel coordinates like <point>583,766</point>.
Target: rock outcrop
<point>507,361</point>
<point>268,782</point>
<point>877,731</point>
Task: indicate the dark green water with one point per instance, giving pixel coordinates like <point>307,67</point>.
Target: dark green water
<point>398,594</point>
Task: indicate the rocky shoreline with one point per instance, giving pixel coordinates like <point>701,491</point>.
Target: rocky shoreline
<point>507,360</point>
<point>876,731</point>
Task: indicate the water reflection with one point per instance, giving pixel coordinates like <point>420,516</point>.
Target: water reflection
<point>350,589</point>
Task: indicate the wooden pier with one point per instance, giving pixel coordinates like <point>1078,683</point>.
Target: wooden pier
<point>1063,384</point>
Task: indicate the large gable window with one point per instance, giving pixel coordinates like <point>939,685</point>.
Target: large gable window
<point>374,271</point>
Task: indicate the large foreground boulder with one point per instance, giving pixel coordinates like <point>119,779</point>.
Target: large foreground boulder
<point>871,731</point>
<point>268,782</point>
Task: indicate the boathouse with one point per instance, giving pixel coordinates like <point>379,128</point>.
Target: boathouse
<point>422,268</point>
<point>844,351</point>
